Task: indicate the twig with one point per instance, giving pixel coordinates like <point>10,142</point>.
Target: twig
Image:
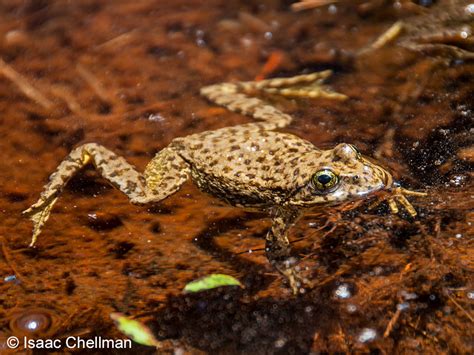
<point>90,79</point>
<point>462,309</point>
<point>388,36</point>
<point>64,93</point>
<point>120,40</point>
<point>6,256</point>
<point>22,83</point>
<point>386,148</point>
<point>392,322</point>
<point>272,63</point>
<point>414,327</point>
<point>311,4</point>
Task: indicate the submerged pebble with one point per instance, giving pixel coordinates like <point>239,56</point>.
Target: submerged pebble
<point>403,306</point>
<point>367,335</point>
<point>9,278</point>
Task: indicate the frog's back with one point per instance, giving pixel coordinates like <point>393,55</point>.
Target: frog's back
<point>249,167</point>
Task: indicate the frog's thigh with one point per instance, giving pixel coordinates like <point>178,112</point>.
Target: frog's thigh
<point>165,174</point>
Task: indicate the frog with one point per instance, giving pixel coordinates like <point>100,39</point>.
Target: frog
<point>253,165</point>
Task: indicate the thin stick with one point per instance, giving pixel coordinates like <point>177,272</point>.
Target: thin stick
<point>6,256</point>
<point>462,309</point>
<point>311,4</point>
<point>64,93</point>
<point>392,322</point>
<point>25,87</point>
<point>90,79</point>
<point>120,40</point>
<point>388,36</point>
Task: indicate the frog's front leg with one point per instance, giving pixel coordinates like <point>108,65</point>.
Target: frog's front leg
<point>277,247</point>
<point>163,176</point>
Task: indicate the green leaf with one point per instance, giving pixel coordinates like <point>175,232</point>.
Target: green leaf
<point>135,330</point>
<point>210,282</point>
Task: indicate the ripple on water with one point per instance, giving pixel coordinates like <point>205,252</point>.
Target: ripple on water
<point>33,322</point>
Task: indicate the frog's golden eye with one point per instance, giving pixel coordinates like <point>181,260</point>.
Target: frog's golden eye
<point>325,180</point>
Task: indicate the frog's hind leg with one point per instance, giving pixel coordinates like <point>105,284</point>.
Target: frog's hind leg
<point>239,97</point>
<point>232,97</point>
<point>163,176</point>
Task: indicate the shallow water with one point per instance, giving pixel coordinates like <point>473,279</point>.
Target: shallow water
<point>127,74</point>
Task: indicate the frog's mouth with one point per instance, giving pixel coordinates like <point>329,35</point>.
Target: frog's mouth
<point>385,177</point>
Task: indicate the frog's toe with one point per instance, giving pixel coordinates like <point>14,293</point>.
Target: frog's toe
<point>392,204</point>
<point>39,214</point>
<point>412,193</point>
<point>399,197</point>
<point>295,280</point>
<point>402,200</point>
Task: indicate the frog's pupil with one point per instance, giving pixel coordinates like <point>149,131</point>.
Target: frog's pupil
<point>324,179</point>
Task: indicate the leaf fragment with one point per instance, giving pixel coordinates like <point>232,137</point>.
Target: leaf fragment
<point>211,281</point>
<point>135,330</point>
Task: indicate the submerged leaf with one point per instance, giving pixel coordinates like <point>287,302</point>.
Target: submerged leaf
<point>135,330</point>
<point>210,282</point>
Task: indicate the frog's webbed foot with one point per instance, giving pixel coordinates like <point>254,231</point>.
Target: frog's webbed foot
<point>306,85</point>
<point>396,197</point>
<point>287,269</point>
<point>39,214</point>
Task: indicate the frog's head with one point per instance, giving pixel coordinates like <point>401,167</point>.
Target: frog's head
<point>341,175</point>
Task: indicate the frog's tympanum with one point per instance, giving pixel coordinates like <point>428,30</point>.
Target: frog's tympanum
<point>250,166</point>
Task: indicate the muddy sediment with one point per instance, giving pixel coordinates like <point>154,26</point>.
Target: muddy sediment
<point>127,75</point>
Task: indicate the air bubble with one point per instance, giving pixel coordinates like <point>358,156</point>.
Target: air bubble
<point>367,335</point>
<point>351,308</point>
<point>343,291</point>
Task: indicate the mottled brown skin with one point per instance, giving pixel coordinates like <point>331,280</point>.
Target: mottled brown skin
<point>250,166</point>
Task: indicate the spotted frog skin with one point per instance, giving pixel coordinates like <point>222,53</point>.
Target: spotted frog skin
<point>249,165</point>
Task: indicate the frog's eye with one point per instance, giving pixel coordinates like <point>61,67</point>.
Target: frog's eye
<point>325,180</point>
